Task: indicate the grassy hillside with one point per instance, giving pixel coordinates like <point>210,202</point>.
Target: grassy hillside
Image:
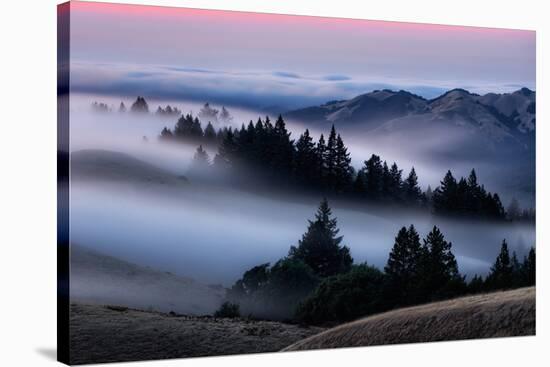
<point>109,334</point>
<point>499,314</point>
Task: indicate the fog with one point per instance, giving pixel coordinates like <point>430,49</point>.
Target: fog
<point>215,234</point>
<point>431,151</point>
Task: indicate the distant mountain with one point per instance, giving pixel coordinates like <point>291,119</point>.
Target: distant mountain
<point>499,116</point>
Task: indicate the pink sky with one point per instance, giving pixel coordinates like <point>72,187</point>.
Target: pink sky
<point>360,50</point>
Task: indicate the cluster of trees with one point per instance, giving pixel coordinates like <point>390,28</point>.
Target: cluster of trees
<point>318,283</point>
<point>100,107</point>
<point>378,182</point>
<point>189,129</point>
<point>211,114</point>
<point>325,166</point>
<point>140,105</point>
<point>507,272</point>
<point>168,111</point>
<point>466,197</point>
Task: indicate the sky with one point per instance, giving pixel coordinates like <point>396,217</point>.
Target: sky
<point>283,61</point>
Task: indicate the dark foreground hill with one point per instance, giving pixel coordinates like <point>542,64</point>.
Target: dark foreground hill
<point>109,334</point>
<point>499,314</point>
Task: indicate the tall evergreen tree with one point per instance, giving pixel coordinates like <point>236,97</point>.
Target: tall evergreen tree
<point>395,182</point>
<point>306,161</point>
<point>342,167</point>
<point>226,152</point>
<point>330,160</point>
<point>403,266</point>
<point>529,268</point>
<point>320,150</point>
<point>411,190</point>
<point>474,194</point>
<point>283,149</point>
<point>444,196</point>
<point>438,265</point>
<point>386,182</point>
<point>209,134</point>
<point>373,175</point>
<point>501,275</point>
<point>320,246</point>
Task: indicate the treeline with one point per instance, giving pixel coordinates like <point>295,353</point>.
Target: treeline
<point>318,282</point>
<point>189,129</point>
<point>325,166</point>
<point>140,106</point>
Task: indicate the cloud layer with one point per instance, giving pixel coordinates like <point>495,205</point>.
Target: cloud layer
<point>275,91</point>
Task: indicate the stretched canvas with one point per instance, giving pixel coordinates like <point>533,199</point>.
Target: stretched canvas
<point>233,182</point>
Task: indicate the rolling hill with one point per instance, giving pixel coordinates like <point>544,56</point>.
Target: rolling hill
<point>499,314</point>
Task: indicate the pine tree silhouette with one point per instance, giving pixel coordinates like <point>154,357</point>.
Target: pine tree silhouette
<point>320,246</point>
<point>403,266</point>
<point>501,275</point>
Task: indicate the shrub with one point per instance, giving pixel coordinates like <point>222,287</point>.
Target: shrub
<point>228,310</point>
<point>345,297</point>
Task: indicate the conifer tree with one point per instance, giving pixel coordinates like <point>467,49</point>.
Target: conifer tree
<point>395,182</point>
<point>342,167</point>
<point>209,134</point>
<point>473,201</point>
<point>403,266</point>
<point>196,129</point>
<point>140,105</point>
<point>373,175</point>
<point>184,127</point>
<point>330,160</point>
<point>122,107</point>
<point>529,268</point>
<point>411,191</point>
<point>283,154</point>
<point>306,161</point>
<point>501,273</point>
<point>320,150</point>
<point>438,265</point>
<point>166,134</point>
<point>226,152</point>
<point>444,196</point>
<point>320,247</point>
<point>386,182</point>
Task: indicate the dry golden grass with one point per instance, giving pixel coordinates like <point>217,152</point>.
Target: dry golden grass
<point>499,314</point>
<point>102,334</point>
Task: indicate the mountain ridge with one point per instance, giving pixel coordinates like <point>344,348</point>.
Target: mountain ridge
<point>500,115</point>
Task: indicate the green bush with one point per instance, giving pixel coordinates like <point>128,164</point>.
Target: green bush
<point>344,297</point>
